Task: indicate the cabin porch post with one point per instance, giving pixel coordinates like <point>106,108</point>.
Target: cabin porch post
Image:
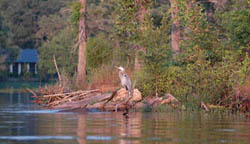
<point>19,68</point>
<point>11,68</point>
<point>35,68</point>
<point>28,67</point>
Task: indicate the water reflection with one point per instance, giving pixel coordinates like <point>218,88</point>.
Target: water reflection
<point>81,129</point>
<point>130,128</point>
<point>22,122</point>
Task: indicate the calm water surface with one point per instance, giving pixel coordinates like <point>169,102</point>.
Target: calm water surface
<point>22,122</point>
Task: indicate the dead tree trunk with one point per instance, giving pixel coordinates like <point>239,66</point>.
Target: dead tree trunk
<point>175,32</point>
<point>81,68</point>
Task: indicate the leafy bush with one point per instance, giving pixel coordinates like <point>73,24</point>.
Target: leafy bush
<point>76,6</point>
<point>99,51</point>
<point>205,70</point>
<point>236,24</point>
<point>60,46</point>
<point>156,56</point>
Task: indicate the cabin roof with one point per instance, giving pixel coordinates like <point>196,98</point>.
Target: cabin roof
<point>27,56</point>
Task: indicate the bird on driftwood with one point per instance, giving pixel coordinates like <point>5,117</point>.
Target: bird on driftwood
<point>125,80</point>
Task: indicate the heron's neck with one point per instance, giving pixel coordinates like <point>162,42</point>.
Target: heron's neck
<point>121,73</point>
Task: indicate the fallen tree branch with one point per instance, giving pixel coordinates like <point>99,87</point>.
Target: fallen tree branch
<point>31,91</point>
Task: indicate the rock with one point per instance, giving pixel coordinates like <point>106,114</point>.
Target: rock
<point>122,95</point>
<point>136,96</point>
<point>170,98</point>
<point>140,105</point>
<point>154,101</point>
<point>166,101</point>
<point>151,101</point>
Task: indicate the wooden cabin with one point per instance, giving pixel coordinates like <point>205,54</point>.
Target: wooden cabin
<point>25,62</point>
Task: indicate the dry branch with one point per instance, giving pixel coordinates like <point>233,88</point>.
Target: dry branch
<point>83,103</point>
<point>52,96</point>
<point>72,93</point>
<point>31,91</point>
<point>58,73</point>
<point>203,105</point>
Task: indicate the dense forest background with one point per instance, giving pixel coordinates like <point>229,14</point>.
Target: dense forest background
<point>194,49</point>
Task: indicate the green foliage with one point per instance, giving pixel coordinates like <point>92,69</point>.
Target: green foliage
<point>157,57</point>
<point>7,55</point>
<point>13,52</point>
<point>199,35</point>
<point>26,75</point>
<point>199,81</point>
<point>127,22</point>
<point>100,18</point>
<point>3,33</point>
<point>205,70</point>
<point>99,51</point>
<point>236,22</point>
<point>60,46</point>
<point>22,17</point>
<point>51,25</point>
<point>76,14</point>
<point>244,70</point>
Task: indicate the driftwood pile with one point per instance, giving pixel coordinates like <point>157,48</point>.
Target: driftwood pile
<point>56,97</point>
<point>53,100</point>
<point>59,97</point>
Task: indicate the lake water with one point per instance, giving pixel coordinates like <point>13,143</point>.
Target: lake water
<point>22,122</point>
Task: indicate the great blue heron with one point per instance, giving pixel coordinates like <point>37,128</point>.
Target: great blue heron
<point>125,80</point>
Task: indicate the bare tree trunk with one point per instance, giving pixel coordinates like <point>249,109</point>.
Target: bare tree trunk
<point>81,68</point>
<point>140,15</point>
<point>175,32</point>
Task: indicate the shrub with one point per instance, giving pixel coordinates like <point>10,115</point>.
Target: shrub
<point>206,70</point>
<point>99,51</point>
<point>60,46</point>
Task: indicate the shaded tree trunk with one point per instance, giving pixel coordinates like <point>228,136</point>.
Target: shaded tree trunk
<point>81,68</point>
<point>175,32</point>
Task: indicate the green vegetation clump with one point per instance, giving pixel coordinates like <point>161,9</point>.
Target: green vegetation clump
<point>99,51</point>
<point>75,14</point>
<point>207,69</point>
<point>60,47</point>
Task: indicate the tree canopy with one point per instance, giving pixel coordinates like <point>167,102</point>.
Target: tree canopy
<point>22,19</point>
